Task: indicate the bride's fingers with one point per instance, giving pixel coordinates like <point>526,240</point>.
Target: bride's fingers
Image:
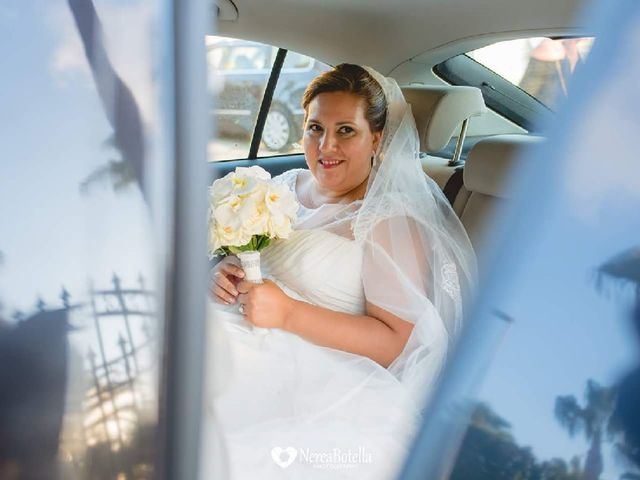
<point>233,260</point>
<point>223,295</point>
<point>218,299</point>
<point>224,283</point>
<point>244,286</point>
<point>232,269</point>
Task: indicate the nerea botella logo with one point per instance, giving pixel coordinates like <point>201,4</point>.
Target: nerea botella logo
<point>283,457</point>
<point>335,458</point>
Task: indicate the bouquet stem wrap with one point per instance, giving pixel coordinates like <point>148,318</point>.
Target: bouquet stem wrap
<point>251,265</point>
<point>250,262</point>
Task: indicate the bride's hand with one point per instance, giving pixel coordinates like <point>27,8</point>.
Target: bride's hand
<point>265,304</point>
<point>224,277</point>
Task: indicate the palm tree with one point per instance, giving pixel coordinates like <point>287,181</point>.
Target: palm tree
<point>602,412</point>
<point>119,173</point>
<point>119,104</point>
<point>624,269</point>
<point>592,418</point>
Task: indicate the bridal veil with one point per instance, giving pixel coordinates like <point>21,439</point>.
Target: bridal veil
<point>418,262</point>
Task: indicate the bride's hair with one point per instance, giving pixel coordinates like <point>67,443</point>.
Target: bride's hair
<point>353,79</point>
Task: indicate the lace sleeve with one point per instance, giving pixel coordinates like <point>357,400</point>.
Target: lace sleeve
<point>288,178</point>
<point>408,272</point>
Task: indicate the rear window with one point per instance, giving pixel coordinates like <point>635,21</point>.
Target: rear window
<point>542,67</point>
<point>238,75</point>
<point>522,79</point>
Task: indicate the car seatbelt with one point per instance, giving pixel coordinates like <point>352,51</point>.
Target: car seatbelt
<point>453,185</point>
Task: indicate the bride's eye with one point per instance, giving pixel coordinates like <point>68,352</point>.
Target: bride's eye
<point>345,130</point>
<point>314,127</point>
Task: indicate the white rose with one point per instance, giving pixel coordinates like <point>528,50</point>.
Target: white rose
<point>214,241</point>
<point>233,184</point>
<point>281,201</point>
<point>253,213</point>
<point>243,185</point>
<point>228,228</point>
<point>255,171</point>
<point>221,189</point>
<point>279,226</point>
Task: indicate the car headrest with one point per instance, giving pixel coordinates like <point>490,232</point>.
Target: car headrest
<point>440,110</point>
<point>490,161</point>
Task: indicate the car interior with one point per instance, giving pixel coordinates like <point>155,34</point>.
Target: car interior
<point>478,77</point>
<point>107,344</point>
<point>476,119</point>
<point>473,123</point>
<point>106,341</point>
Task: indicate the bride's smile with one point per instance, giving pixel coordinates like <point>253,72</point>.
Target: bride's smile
<point>329,163</point>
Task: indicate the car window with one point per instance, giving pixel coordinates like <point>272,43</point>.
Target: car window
<point>238,72</point>
<point>82,259</point>
<point>250,58</point>
<point>297,61</point>
<point>540,66</point>
<point>215,56</point>
<point>282,132</point>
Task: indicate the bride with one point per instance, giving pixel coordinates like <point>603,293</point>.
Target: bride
<point>362,302</point>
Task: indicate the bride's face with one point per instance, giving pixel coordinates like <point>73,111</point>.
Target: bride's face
<point>338,142</point>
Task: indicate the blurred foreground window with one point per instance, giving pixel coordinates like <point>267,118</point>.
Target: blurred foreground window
<point>82,211</point>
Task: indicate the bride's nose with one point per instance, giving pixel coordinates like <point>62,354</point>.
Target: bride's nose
<point>328,142</point>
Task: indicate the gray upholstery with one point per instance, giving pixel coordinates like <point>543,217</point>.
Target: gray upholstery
<point>440,110</point>
<point>490,160</point>
<point>486,172</point>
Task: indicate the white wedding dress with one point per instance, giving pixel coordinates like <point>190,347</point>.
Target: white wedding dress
<point>284,408</point>
<point>291,409</point>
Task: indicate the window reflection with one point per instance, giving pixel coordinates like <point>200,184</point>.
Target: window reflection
<point>601,425</point>
<point>79,318</point>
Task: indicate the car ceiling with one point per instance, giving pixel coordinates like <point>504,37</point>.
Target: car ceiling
<point>385,33</point>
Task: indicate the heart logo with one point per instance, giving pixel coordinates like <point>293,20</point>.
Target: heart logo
<point>284,456</point>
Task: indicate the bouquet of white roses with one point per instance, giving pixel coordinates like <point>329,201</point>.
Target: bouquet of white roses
<point>248,210</point>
